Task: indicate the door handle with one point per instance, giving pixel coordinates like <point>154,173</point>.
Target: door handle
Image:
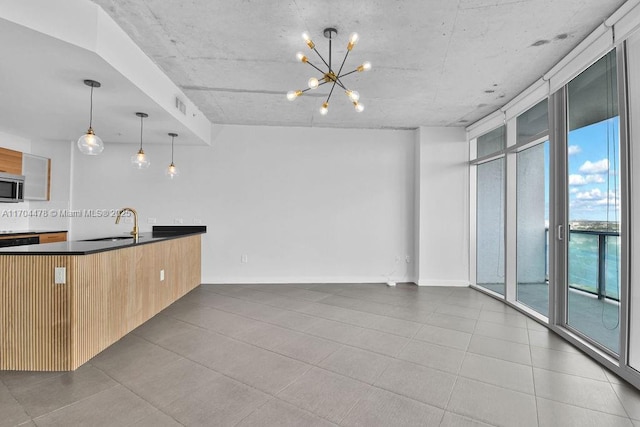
<point>560,232</point>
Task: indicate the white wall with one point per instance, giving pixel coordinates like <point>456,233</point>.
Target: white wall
<point>442,214</point>
<point>303,204</point>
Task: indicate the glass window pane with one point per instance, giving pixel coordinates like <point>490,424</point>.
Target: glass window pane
<point>490,225</point>
<point>594,203</point>
<point>491,142</point>
<point>532,200</point>
<point>533,122</point>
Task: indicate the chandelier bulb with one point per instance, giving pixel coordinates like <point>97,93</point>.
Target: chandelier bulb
<point>313,83</point>
<point>353,40</point>
<point>324,109</point>
<point>359,107</point>
<point>353,95</point>
<point>307,40</point>
<point>301,57</point>
<point>293,94</point>
<point>366,66</point>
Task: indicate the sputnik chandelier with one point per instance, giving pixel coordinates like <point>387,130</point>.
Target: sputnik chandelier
<point>330,75</point>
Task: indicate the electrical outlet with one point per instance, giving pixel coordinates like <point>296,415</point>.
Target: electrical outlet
<point>407,259</point>
<point>61,275</point>
<point>244,259</point>
<point>151,220</point>
<point>178,221</point>
<point>162,275</point>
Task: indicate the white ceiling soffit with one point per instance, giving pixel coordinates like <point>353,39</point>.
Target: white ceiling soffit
<point>435,62</point>
<point>50,46</point>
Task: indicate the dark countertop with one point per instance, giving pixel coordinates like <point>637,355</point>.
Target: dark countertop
<point>90,247</point>
<point>6,233</point>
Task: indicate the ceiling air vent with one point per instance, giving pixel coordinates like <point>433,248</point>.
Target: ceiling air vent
<point>180,106</point>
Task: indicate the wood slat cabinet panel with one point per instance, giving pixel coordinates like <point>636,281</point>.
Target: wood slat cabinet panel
<point>10,161</point>
<point>53,237</point>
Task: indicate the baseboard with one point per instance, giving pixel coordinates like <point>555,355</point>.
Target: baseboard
<point>452,283</point>
<point>305,280</point>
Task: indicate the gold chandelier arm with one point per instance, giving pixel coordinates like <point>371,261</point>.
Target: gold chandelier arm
<point>321,72</point>
<point>335,81</point>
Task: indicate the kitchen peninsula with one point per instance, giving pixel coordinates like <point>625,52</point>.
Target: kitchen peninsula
<point>63,303</point>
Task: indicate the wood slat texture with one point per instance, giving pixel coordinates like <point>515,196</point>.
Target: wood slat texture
<point>10,161</point>
<point>48,327</point>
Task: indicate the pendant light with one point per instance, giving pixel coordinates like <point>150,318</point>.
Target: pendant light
<point>140,160</point>
<point>90,143</point>
<point>172,171</point>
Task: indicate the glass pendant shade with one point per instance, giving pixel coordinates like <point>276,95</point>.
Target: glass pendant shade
<point>90,143</point>
<point>172,171</point>
<point>140,160</point>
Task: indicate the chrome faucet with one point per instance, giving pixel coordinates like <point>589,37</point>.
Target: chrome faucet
<point>134,232</point>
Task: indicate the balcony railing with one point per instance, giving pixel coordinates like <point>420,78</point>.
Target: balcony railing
<point>594,262</point>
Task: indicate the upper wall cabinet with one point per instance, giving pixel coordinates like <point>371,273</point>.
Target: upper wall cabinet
<point>37,177</point>
<point>10,161</point>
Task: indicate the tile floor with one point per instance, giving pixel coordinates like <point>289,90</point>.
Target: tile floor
<point>328,354</point>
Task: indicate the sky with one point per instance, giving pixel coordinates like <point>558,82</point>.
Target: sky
<point>594,181</point>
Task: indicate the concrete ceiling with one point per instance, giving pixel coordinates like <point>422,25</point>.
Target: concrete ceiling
<point>435,62</point>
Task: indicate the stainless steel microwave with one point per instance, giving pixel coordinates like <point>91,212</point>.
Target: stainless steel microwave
<point>11,188</point>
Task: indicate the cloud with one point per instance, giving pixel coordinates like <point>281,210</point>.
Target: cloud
<point>574,149</point>
<point>576,179</point>
<point>601,166</point>
<point>594,194</point>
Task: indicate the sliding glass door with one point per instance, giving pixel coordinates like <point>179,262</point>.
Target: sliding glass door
<point>594,220</point>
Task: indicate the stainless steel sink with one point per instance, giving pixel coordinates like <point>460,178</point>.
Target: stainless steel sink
<point>109,239</point>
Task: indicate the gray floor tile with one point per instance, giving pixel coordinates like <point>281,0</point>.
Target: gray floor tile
<point>162,327</point>
<point>267,336</point>
<point>157,419</point>
<point>577,391</point>
<point>503,332</point>
<point>568,363</point>
<point>63,390</point>
<point>515,320</point>
<point>446,337</point>
<point>491,404</point>
<point>452,322</point>
<point>293,320</point>
<point>419,383</point>
<point>433,356</point>
<point>324,393</point>
<point>172,382</point>
<point>630,398</point>
<point>394,326</point>
<point>12,412</point>
<point>220,402</point>
<point>279,413</point>
<point>216,320</point>
<point>454,420</point>
<point>500,349</point>
<point>17,380</point>
<point>355,363</point>
<point>456,310</point>
<point>382,408</point>
<point>307,348</point>
<point>379,342</point>
<point>498,372</point>
<point>335,331</point>
<point>115,406</point>
<point>131,357</point>
<point>548,339</point>
<point>262,369</point>
<point>553,414</point>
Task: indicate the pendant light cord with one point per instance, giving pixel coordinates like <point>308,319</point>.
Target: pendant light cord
<point>172,149</point>
<point>141,124</point>
<point>91,108</point>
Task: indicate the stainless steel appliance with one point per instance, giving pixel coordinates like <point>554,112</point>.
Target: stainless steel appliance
<point>11,188</point>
